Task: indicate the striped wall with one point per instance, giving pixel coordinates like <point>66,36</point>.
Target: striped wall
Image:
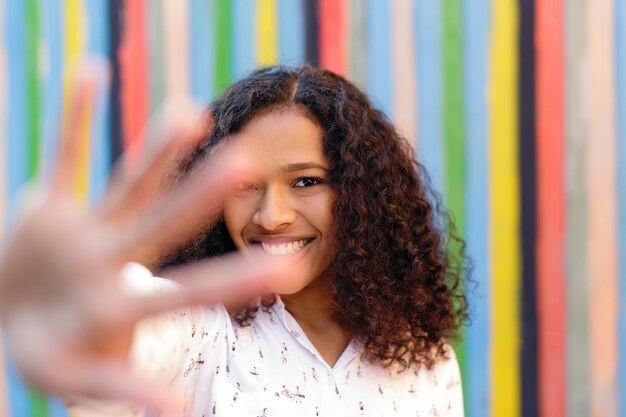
<point>517,108</point>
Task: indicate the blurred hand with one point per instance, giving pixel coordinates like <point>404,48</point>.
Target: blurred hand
<point>68,320</point>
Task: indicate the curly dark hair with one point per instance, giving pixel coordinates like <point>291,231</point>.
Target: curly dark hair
<point>398,268</point>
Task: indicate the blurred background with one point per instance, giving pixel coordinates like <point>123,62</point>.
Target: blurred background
<point>517,108</point>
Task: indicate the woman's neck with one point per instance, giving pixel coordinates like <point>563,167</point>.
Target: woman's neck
<point>311,307</point>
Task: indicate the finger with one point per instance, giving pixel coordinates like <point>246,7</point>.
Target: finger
<point>92,79</point>
<point>79,379</point>
<point>179,126</point>
<point>228,280</point>
<point>188,208</point>
<point>47,361</point>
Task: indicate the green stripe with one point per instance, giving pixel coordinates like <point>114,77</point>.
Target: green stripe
<point>453,128</point>
<point>33,133</point>
<point>38,401</point>
<point>223,45</point>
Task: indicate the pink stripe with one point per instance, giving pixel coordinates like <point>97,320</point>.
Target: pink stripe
<point>602,208</point>
<point>176,25</point>
<point>403,69</point>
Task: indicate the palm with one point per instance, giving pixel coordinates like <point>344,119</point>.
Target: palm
<point>66,315</point>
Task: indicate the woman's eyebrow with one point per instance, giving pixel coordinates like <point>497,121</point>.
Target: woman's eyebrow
<point>302,166</point>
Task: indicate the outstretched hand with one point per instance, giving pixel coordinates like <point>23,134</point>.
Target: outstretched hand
<point>67,318</point>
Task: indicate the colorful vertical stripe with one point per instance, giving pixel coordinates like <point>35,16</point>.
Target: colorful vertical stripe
<point>550,207</point>
<point>620,67</point>
<point>291,32</point>
<point>516,108</point>
<point>404,104</point>
<point>378,53</point>
<point>428,32</point>
<point>223,32</point>
<point>312,41</point>
<point>576,230</point>
<point>357,67</point>
<point>601,245</point>
<point>133,72</point>
<point>475,106</point>
<point>4,387</point>
<point>202,39</point>
<point>243,46</point>
<point>504,184</point>
<point>156,53</point>
<point>175,19</point>
<point>333,35</point>
<point>99,133</point>
<point>267,43</point>
<point>527,111</point>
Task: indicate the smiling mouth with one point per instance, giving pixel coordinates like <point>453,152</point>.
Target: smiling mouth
<point>285,248</point>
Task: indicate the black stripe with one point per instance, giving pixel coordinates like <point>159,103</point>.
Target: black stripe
<point>116,26</point>
<point>528,170</point>
<point>312,27</point>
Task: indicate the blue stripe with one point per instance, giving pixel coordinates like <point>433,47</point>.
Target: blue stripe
<point>620,54</point>
<point>98,37</point>
<point>14,36</point>
<point>18,395</point>
<point>430,89</point>
<point>290,32</point>
<point>53,84</point>
<point>379,54</point>
<point>202,49</point>
<point>243,38</point>
<point>475,50</point>
<point>56,408</point>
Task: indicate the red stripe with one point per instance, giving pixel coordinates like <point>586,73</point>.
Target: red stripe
<point>550,207</point>
<point>134,78</point>
<point>333,35</point>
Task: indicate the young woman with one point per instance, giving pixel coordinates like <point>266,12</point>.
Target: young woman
<point>359,323</point>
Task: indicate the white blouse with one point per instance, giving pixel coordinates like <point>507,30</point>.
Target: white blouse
<point>271,369</point>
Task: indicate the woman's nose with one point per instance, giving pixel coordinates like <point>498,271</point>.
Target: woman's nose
<point>275,210</point>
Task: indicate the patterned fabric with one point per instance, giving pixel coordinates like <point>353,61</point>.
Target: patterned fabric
<point>270,368</point>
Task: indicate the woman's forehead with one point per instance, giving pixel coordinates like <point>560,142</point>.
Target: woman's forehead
<point>285,136</point>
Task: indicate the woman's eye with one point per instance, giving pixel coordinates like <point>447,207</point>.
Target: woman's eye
<point>245,186</point>
<point>307,182</point>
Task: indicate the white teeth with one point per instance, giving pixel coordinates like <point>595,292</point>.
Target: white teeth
<point>284,248</point>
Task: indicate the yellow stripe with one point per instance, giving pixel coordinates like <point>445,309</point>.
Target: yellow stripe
<point>74,50</point>
<point>267,41</point>
<point>504,183</point>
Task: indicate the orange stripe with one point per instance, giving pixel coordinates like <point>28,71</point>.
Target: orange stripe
<point>333,35</point>
<point>550,207</point>
<point>134,75</point>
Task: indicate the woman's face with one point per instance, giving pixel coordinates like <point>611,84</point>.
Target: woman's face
<point>285,210</point>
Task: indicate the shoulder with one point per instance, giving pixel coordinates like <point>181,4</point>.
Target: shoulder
<point>137,279</point>
<point>444,381</point>
<point>162,343</point>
